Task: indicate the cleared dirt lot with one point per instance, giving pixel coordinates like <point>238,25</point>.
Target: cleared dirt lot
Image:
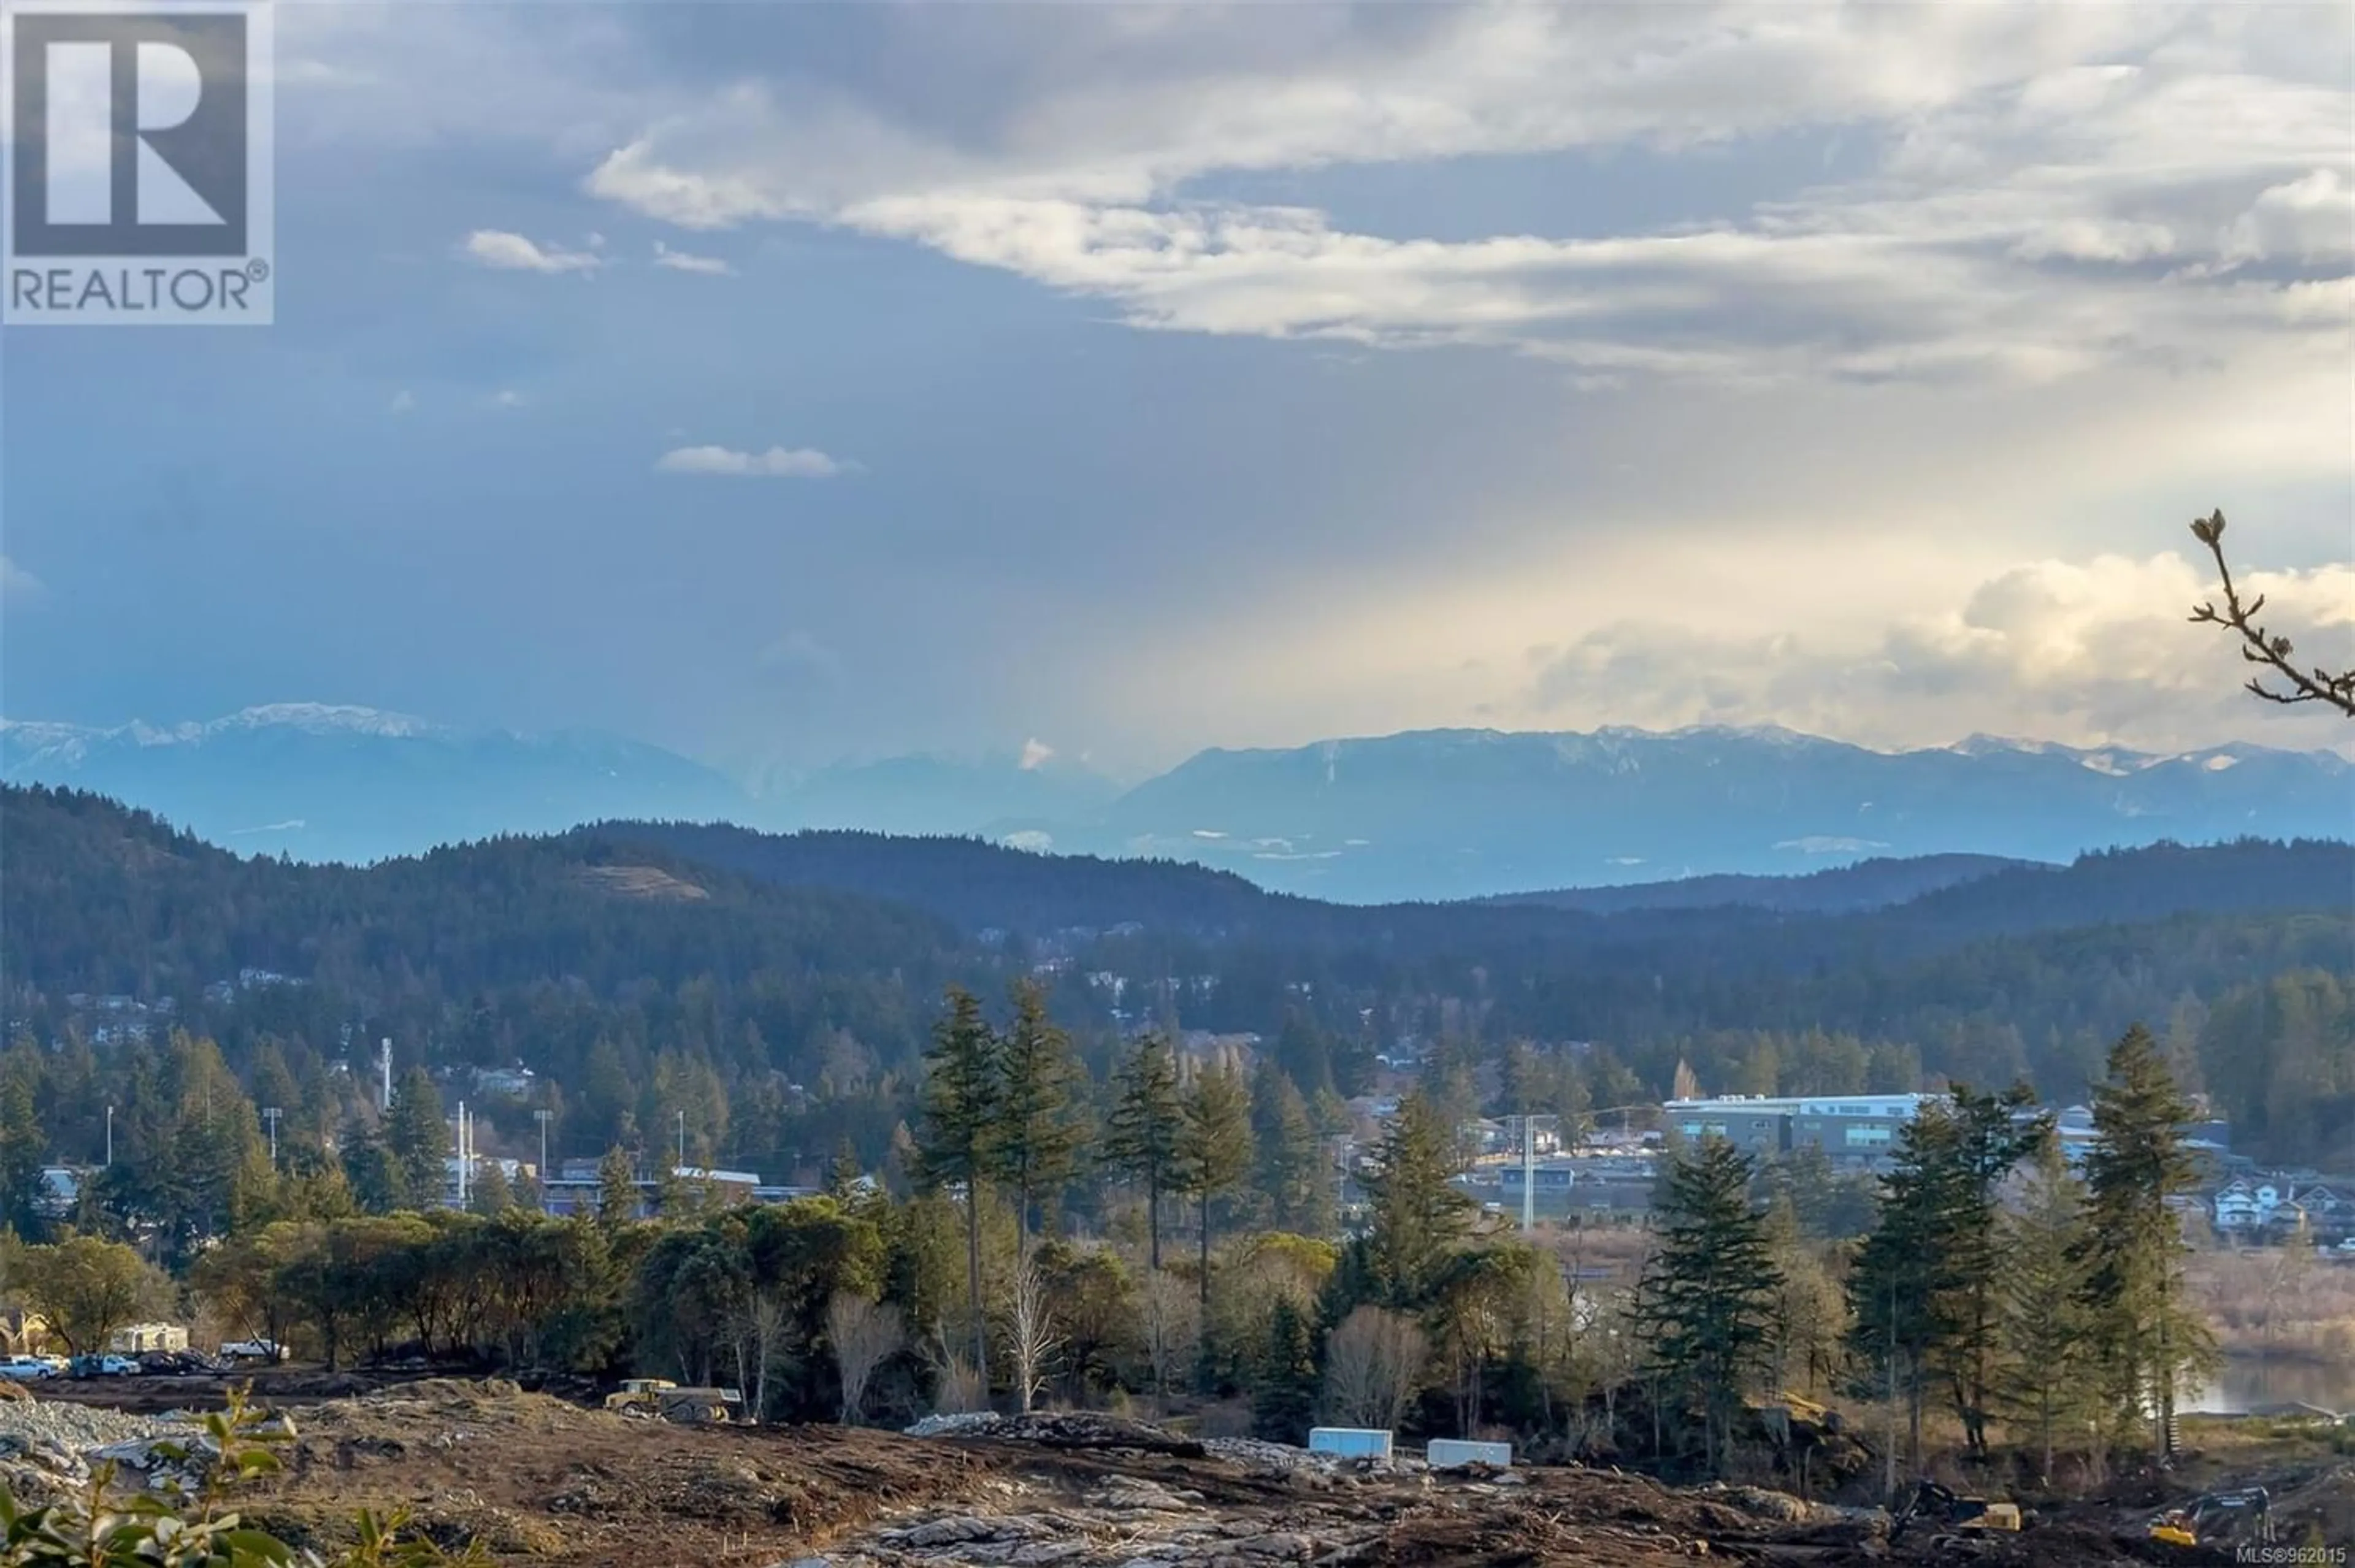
<point>537,1479</point>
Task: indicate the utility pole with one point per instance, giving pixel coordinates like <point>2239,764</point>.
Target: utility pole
<point>109,1137</point>
<point>1529,1173</point>
<point>682,1140</point>
<point>465,1154</point>
<point>270,1113</point>
<point>543,1116</point>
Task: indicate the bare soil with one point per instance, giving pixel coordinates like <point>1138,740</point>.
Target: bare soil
<point>538,1480</point>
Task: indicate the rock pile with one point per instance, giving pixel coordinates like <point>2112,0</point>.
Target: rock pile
<point>1063,1429</point>
<point>48,1447</point>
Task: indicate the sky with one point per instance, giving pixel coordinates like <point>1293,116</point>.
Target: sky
<point>790,383</point>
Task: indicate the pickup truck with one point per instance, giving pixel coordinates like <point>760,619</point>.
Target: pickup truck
<point>254,1350</point>
<point>26,1369</point>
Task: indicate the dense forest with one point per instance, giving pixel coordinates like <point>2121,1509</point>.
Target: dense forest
<point>776,990</point>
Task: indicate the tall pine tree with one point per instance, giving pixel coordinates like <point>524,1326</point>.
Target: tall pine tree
<point>1214,1147</point>
<point>417,1138</point>
<point>1707,1304</point>
<point>1419,1215</point>
<point>2144,1331</point>
<point>956,1146</point>
<point>1142,1135</point>
<point>1992,1133</point>
<point>1036,1136</point>
<point>1293,1171</point>
<point>2043,1242</point>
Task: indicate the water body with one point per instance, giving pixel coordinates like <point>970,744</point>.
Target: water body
<point>2249,1382</point>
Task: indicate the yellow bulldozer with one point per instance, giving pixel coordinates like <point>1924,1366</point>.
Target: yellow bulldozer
<point>1961,1522</point>
<point>662,1400</point>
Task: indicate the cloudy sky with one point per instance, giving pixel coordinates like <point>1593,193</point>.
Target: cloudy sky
<point>782,383</point>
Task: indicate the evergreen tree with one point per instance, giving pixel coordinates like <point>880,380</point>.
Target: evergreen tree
<point>843,1174</point>
<point>1293,1173</point>
<point>961,1099</point>
<point>1035,1137</point>
<point>617,1189</point>
<point>1708,1294</point>
<point>417,1138</point>
<point>2144,1332</point>
<point>1419,1215</point>
<point>2044,1303</point>
<point>373,1176</point>
<point>1214,1147</point>
<point>1142,1135</point>
<point>490,1192</point>
<point>1902,1284</point>
<point>1992,1133</point>
<point>1284,1384</point>
<point>23,1146</point>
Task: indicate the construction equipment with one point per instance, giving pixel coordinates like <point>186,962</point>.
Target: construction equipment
<point>1964,1521</point>
<point>2243,1515</point>
<point>663,1400</point>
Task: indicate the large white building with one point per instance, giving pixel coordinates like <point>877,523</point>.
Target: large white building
<point>1845,1126</point>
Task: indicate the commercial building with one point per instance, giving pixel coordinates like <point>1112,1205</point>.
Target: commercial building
<point>1844,1127</point>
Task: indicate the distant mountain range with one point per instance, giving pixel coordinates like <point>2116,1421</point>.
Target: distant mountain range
<point>1464,812</point>
<point>1425,814</point>
<point>321,782</point>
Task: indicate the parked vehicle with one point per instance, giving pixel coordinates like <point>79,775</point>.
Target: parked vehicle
<point>661,1398</point>
<point>26,1369</point>
<point>254,1350</point>
<point>106,1366</point>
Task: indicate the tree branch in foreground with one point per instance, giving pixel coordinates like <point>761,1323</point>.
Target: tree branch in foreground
<point>2260,647</point>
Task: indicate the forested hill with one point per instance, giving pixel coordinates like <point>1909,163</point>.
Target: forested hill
<point>980,885</point>
<point>97,898</point>
<point>623,961</point>
<point>1836,889</point>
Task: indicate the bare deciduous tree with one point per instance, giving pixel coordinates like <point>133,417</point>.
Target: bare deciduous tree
<point>760,1336</point>
<point>864,1334</point>
<point>957,1384</point>
<point>2260,645</point>
<point>1173,1326</point>
<point>1372,1363</point>
<point>1032,1328</point>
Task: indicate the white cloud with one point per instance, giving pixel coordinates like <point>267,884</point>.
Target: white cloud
<point>507,397</point>
<point>2095,653</point>
<point>2006,229</point>
<point>513,252</point>
<point>683,262</point>
<point>18,586</point>
<point>1036,753</point>
<point>777,463</point>
<point>404,402</point>
<point>2309,219</point>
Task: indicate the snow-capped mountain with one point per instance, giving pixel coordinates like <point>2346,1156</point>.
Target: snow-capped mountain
<point>322,781</point>
<point>1425,814</point>
<point>1460,813</point>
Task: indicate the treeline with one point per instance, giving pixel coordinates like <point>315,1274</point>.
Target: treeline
<point>639,984</point>
<point>2036,1307</point>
